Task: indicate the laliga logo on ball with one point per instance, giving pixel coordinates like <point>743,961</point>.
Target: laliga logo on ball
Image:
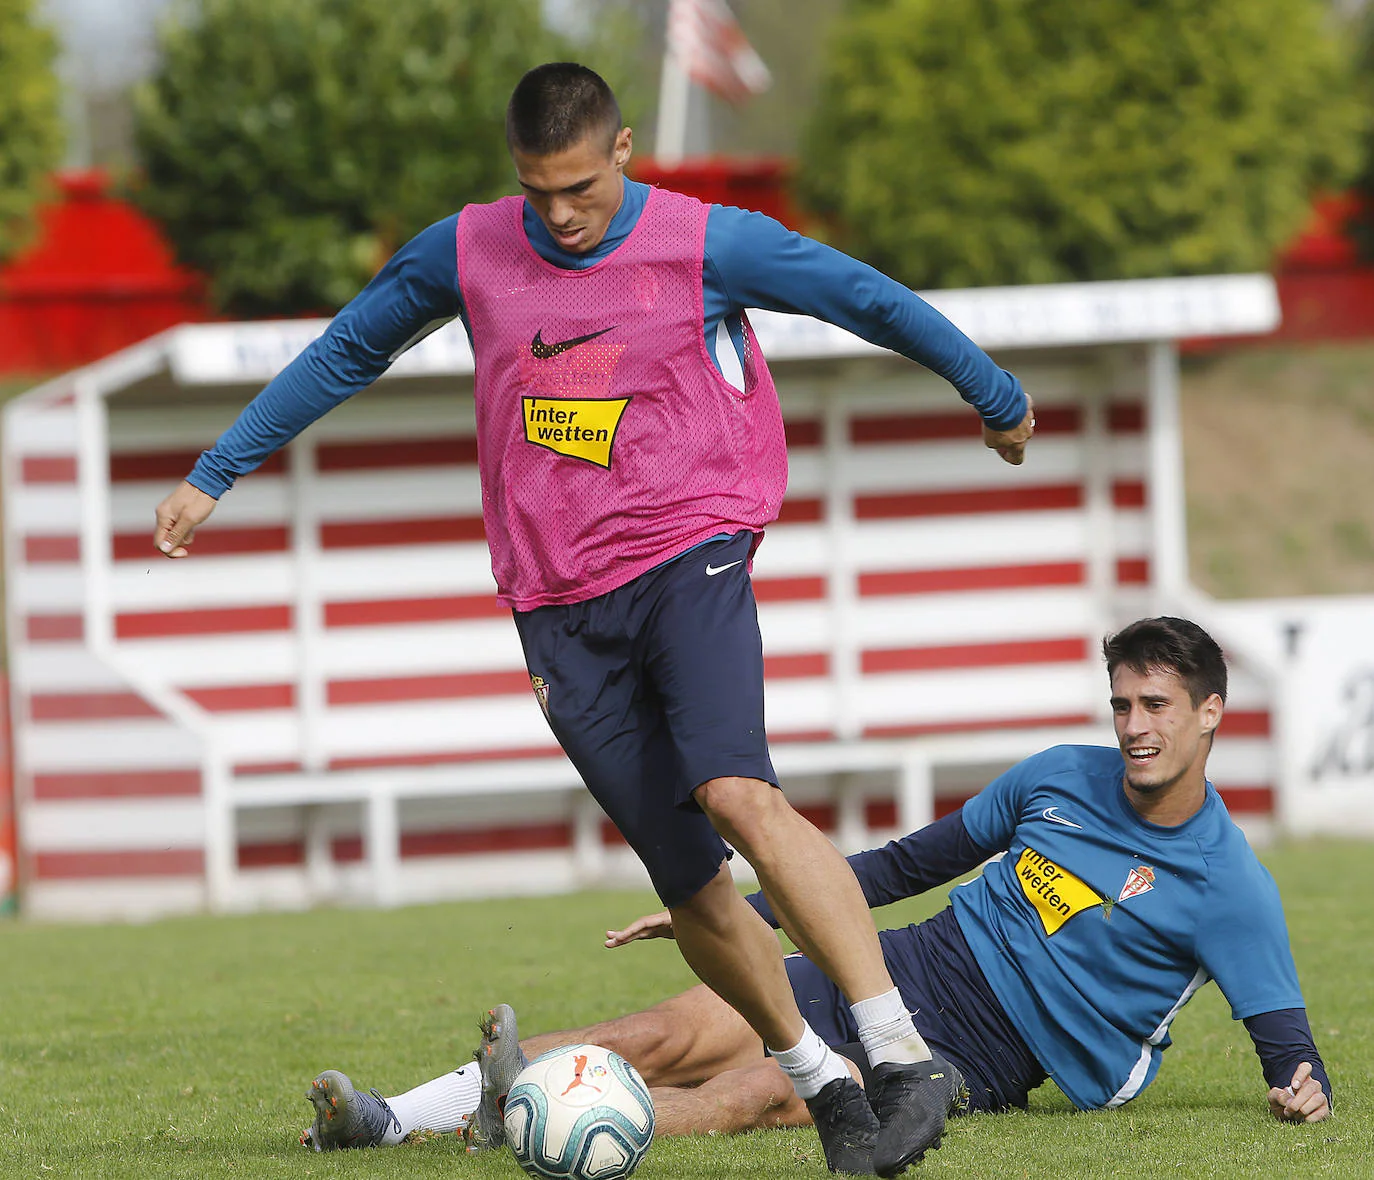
<point>579,1113</point>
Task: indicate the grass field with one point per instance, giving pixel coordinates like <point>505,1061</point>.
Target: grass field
<point>182,1048</point>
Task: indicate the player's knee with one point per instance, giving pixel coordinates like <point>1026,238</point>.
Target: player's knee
<point>653,1042</point>
<point>770,1094</point>
<point>711,904</point>
<point>741,809</point>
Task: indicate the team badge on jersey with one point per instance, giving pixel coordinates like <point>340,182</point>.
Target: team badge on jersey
<point>1140,879</point>
<point>541,692</point>
<point>1054,893</point>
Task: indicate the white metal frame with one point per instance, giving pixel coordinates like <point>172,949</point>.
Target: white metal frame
<point>1150,311</point>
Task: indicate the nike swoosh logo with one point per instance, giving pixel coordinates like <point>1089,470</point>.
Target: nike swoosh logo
<point>713,570</point>
<point>543,352</point>
<point>1052,814</point>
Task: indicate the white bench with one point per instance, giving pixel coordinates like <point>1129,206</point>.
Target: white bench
<point>912,763</point>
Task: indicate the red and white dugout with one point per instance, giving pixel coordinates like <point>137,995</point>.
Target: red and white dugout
<point>326,702</point>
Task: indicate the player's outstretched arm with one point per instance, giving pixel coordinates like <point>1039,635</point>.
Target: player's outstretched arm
<point>659,925</point>
<point>757,262</point>
<point>414,292</point>
<point>1303,1100</point>
<point>178,517</point>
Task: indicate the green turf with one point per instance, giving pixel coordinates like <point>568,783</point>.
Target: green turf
<point>183,1048</point>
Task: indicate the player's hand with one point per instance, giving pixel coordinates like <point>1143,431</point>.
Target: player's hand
<point>1011,444</point>
<point>659,925</point>
<point>177,518</point>
<point>1302,1101</point>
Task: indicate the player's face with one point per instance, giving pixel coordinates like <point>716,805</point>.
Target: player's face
<point>577,191</point>
<point>1164,738</point>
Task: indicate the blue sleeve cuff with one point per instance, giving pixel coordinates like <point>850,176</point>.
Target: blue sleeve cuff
<point>206,476</point>
<point>1016,403</point>
<point>1283,1040</point>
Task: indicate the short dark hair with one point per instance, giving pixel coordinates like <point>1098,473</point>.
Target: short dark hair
<point>557,105</point>
<point>1170,645</point>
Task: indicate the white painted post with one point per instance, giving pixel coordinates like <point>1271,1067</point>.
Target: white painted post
<point>915,792</point>
<point>383,848</point>
<point>842,581</point>
<point>221,831</point>
<point>1100,520</point>
<point>93,484</point>
<point>1168,511</point>
<point>308,606</point>
<point>589,855</point>
<point>308,610</point>
<point>320,873</point>
<point>851,827</point>
<point>670,132</point>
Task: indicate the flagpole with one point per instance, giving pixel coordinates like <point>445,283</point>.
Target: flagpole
<point>674,91</point>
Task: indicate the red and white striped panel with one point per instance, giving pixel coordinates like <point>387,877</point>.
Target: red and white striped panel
<point>412,659</point>
<point>913,584</point>
<point>108,789</point>
<point>970,600</point>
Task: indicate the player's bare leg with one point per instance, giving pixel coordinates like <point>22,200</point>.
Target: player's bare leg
<point>818,902</point>
<point>736,954</point>
<point>684,1041</point>
<point>811,887</point>
<point>756,1097</point>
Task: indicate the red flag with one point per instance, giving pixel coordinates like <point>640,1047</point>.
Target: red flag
<point>712,50</point>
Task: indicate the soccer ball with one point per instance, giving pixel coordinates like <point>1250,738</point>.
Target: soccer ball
<point>579,1113</point>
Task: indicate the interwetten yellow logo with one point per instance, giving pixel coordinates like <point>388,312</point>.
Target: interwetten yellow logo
<point>583,428</point>
<point>1055,893</point>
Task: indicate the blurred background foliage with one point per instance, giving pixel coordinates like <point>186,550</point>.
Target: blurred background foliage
<point>1036,141</point>
<point>288,149</point>
<point>30,120</point>
<point>1361,34</point>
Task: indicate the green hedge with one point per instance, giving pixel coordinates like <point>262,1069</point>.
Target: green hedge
<point>31,138</point>
<point>1030,141</point>
<point>289,147</point>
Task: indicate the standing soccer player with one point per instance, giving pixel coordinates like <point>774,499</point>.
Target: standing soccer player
<point>631,453</point>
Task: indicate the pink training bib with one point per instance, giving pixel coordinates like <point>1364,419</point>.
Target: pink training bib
<point>607,441</point>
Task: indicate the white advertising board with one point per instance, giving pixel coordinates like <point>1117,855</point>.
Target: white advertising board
<point>1324,708</point>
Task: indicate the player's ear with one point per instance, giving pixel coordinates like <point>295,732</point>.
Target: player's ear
<point>624,147</point>
<point>1211,710</point>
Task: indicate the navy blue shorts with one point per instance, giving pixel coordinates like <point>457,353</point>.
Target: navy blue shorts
<point>654,689</point>
<point>951,1003</point>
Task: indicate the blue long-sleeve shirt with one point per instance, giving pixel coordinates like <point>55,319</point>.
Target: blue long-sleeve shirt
<point>750,260</point>
<point>947,849</point>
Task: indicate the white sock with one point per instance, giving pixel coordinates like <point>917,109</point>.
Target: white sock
<point>811,1064</point>
<point>443,1105</point>
<point>887,1031</point>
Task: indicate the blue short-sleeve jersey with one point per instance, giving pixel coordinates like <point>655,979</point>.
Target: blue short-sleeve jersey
<point>1095,927</point>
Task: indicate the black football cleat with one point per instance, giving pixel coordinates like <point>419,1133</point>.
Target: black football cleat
<point>345,1117</point>
<point>847,1126</point>
<point>912,1103</point>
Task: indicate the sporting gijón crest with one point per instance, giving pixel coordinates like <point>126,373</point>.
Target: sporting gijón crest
<point>1140,879</point>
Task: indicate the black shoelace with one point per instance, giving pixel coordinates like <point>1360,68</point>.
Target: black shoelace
<point>391,1118</point>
